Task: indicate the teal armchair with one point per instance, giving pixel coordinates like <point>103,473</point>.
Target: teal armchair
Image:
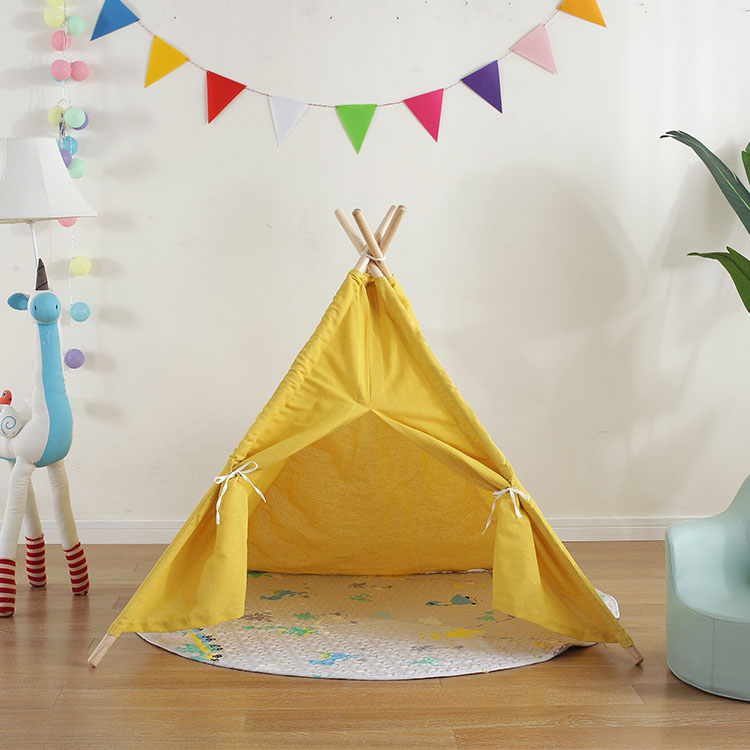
<point>708,600</point>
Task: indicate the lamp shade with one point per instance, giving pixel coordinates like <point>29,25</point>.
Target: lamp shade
<point>35,184</point>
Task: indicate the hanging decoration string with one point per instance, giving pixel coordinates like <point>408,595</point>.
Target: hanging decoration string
<point>223,480</point>
<point>355,118</point>
<point>514,493</point>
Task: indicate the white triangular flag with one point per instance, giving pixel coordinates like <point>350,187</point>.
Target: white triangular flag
<point>285,114</point>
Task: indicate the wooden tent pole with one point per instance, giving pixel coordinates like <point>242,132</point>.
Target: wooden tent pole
<point>392,227</point>
<point>359,245</point>
<point>98,653</point>
<point>372,244</point>
<point>380,233</point>
<point>636,655</point>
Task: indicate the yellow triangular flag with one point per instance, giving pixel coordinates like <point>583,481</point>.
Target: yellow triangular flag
<point>163,59</point>
<point>588,10</point>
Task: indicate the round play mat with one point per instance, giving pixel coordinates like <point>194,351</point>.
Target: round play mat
<point>369,628</point>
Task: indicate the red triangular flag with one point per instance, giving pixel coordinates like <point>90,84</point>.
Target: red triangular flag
<point>427,109</point>
<point>220,92</point>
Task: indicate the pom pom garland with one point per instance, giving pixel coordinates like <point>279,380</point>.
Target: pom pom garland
<point>80,311</point>
<point>60,70</point>
<point>79,71</point>
<point>84,124</point>
<point>67,157</point>
<point>77,168</point>
<point>67,222</point>
<point>60,40</point>
<point>75,25</point>
<point>74,358</point>
<point>54,17</point>
<point>80,265</point>
<point>55,114</point>
<point>74,117</point>
<point>69,144</point>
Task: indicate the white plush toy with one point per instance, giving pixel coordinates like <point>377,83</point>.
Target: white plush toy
<point>40,438</point>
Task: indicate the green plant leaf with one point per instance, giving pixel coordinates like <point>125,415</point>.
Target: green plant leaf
<point>746,160</point>
<point>738,267</point>
<point>734,191</point>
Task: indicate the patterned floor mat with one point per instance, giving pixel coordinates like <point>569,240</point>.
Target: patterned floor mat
<point>369,628</point>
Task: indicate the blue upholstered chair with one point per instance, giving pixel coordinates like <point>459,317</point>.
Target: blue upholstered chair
<point>708,600</point>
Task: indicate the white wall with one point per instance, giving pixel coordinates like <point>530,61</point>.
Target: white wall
<point>544,249</point>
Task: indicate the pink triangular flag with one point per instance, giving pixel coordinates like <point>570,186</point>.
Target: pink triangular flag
<point>427,109</point>
<point>535,46</point>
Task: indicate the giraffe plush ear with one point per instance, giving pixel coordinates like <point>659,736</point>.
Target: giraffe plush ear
<point>19,301</point>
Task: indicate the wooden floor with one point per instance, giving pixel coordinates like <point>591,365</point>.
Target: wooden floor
<point>141,697</point>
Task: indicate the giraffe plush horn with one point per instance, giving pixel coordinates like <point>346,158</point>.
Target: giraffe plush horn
<point>41,278</point>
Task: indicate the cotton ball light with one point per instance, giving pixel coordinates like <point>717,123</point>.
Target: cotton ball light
<point>74,116</point>
<point>80,311</point>
<point>67,157</point>
<point>74,358</point>
<point>75,25</point>
<point>77,168</point>
<point>54,17</point>
<point>84,124</point>
<point>60,40</point>
<point>69,144</point>
<point>79,71</point>
<point>80,265</point>
<point>60,70</point>
<point>55,114</point>
<point>67,222</point>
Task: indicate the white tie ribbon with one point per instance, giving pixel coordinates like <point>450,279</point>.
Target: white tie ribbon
<point>514,493</point>
<point>240,471</point>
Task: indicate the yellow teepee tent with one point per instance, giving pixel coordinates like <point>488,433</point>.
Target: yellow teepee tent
<point>366,460</point>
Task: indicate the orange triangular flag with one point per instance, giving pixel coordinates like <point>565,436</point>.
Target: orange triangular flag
<point>163,59</point>
<point>588,10</point>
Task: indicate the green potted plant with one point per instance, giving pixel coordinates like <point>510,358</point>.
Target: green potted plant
<point>738,196</point>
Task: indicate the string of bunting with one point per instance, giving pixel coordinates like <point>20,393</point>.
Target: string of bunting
<point>355,118</point>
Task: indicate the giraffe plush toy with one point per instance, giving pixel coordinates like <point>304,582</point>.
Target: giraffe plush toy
<point>39,438</point>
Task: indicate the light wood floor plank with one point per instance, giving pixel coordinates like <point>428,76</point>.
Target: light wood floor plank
<point>142,698</point>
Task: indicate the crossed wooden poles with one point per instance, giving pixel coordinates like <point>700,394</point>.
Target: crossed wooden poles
<point>370,247</point>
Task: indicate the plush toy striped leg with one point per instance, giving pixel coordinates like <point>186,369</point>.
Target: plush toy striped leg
<point>78,569</point>
<point>66,526</point>
<point>7,587</point>
<point>36,569</point>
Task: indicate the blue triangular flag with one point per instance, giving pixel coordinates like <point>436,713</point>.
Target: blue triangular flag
<point>486,83</point>
<point>114,15</point>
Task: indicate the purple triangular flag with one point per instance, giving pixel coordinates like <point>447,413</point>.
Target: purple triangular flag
<point>486,83</point>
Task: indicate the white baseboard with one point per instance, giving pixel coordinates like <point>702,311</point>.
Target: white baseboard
<point>569,529</point>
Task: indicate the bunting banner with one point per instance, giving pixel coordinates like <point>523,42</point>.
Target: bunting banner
<point>163,60</point>
<point>535,47</point>
<point>220,92</point>
<point>355,118</point>
<point>113,17</point>
<point>486,83</point>
<point>285,114</point>
<point>427,108</point>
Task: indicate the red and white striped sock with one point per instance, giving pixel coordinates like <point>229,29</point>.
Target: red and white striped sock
<point>36,569</point>
<point>78,569</point>
<point>7,587</point>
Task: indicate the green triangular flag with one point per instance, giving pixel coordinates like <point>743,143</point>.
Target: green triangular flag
<point>356,119</point>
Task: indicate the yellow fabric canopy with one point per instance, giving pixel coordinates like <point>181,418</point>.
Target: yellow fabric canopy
<point>369,462</point>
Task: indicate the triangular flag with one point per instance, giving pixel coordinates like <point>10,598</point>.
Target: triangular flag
<point>535,46</point>
<point>356,119</point>
<point>588,10</point>
<point>486,83</point>
<point>427,109</point>
<point>113,16</point>
<point>163,59</point>
<point>285,114</point>
<point>220,92</point>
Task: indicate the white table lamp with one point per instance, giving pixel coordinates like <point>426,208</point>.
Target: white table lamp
<point>35,185</point>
